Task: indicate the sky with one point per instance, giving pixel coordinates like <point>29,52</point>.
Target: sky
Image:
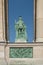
<point>24,8</point>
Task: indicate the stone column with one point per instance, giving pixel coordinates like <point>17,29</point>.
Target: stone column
<point>39,21</point>
<point>2,33</point>
<point>2,21</point>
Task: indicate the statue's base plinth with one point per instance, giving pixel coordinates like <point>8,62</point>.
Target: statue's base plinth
<point>20,40</point>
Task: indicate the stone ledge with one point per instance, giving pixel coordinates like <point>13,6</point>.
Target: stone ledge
<point>24,44</point>
<point>21,44</point>
<point>26,62</point>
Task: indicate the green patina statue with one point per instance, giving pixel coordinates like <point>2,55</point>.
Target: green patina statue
<point>21,34</point>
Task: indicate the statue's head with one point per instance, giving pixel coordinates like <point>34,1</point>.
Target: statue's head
<point>20,27</point>
<point>20,17</point>
<point>20,24</point>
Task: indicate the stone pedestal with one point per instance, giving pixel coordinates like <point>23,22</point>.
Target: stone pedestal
<point>34,56</point>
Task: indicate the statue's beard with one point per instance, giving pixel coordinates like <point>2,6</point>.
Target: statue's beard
<point>20,29</point>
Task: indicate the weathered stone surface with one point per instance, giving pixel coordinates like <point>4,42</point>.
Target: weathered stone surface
<point>26,62</point>
<point>39,21</point>
<point>2,61</point>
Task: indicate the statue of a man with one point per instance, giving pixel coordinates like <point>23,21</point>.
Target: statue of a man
<point>20,29</point>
